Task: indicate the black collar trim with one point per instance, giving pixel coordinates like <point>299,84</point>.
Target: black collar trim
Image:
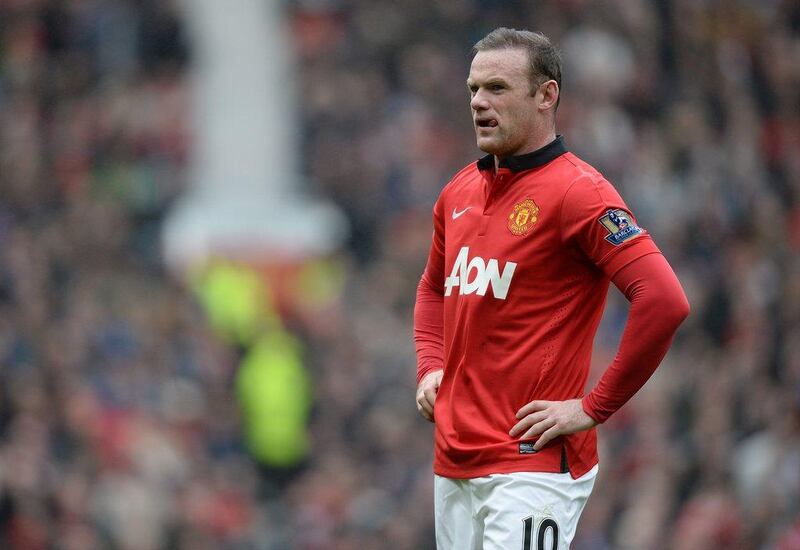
<point>537,158</point>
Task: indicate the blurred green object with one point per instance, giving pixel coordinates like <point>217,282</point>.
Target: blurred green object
<point>237,301</point>
<point>272,384</point>
<point>320,282</point>
<point>274,393</point>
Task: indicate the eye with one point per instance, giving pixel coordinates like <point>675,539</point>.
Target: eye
<point>496,87</point>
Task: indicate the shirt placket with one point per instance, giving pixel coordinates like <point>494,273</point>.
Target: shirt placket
<point>496,187</point>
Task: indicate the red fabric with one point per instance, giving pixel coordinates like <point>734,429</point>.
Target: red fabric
<point>428,329</point>
<point>516,321</point>
<point>658,306</point>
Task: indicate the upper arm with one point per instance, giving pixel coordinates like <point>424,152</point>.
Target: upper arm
<point>650,279</point>
<point>596,221</point>
<point>434,269</point>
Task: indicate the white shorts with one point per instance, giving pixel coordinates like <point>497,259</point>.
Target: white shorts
<point>519,511</point>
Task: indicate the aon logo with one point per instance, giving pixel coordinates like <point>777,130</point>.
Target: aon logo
<point>478,275</point>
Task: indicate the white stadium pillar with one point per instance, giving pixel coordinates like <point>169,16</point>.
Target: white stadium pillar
<point>244,197</point>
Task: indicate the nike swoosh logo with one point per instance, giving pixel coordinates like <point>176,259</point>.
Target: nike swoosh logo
<point>457,214</point>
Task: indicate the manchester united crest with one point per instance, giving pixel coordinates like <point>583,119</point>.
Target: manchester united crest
<point>523,217</point>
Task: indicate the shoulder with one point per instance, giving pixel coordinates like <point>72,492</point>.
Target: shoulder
<point>467,177</point>
<point>572,169</point>
<point>582,181</point>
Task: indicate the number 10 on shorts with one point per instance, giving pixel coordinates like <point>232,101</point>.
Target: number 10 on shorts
<point>547,524</point>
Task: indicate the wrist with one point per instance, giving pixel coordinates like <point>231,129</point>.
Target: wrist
<point>424,375</point>
<point>586,405</point>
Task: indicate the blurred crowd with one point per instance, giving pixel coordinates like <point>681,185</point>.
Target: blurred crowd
<point>119,423</point>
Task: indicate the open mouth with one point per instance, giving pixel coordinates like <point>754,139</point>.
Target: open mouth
<point>486,123</point>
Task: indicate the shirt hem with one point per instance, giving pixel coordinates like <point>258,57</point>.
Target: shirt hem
<point>510,468</point>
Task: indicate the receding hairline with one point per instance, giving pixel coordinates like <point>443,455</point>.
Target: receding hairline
<point>501,49</point>
<point>506,37</point>
<point>525,55</point>
<point>510,48</point>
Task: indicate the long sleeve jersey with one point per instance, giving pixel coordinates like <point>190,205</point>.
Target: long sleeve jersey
<point>510,301</point>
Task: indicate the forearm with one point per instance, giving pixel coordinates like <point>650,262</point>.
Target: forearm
<point>658,306</point>
<point>428,329</point>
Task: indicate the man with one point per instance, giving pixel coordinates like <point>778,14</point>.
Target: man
<point>525,243</point>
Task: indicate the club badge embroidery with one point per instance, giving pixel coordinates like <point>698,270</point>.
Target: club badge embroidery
<point>620,227</point>
<point>523,217</point>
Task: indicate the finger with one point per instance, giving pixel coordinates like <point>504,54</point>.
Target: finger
<point>538,428</point>
<point>424,404</point>
<point>527,422</point>
<point>430,393</point>
<point>425,410</point>
<point>532,407</point>
<point>424,401</point>
<point>546,437</point>
<point>429,396</point>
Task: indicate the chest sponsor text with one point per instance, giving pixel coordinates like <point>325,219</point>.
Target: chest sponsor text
<point>476,275</point>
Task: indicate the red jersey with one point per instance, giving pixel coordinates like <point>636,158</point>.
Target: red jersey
<point>522,258</point>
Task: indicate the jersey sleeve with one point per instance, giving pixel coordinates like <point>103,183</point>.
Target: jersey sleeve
<point>429,307</point>
<point>596,220</point>
<point>434,269</point>
<point>658,307</point>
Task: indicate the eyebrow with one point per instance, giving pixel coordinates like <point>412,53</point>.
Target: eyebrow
<point>490,81</point>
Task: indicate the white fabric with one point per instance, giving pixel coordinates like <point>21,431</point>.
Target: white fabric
<point>494,512</point>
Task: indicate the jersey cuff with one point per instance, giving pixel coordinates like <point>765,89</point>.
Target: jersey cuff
<point>427,369</point>
<point>589,410</point>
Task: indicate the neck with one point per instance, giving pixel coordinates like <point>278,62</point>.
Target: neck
<point>530,147</point>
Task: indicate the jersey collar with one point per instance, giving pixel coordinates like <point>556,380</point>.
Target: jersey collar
<point>537,158</point>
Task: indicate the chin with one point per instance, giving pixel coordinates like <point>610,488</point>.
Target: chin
<point>494,149</point>
<point>488,146</point>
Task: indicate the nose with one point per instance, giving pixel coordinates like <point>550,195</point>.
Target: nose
<point>479,102</point>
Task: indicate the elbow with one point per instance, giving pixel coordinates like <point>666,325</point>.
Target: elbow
<point>677,310</point>
<point>670,307</point>
<point>426,289</point>
<point>685,310</point>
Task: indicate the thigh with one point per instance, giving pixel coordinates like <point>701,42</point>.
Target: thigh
<point>456,525</point>
<point>533,511</point>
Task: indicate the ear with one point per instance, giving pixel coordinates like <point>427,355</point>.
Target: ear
<point>550,94</point>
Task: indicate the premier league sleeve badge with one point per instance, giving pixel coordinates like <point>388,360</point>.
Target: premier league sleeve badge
<point>620,227</point>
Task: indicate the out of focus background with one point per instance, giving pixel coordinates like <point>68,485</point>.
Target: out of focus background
<point>213,219</point>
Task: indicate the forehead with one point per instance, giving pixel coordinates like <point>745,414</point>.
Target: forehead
<point>508,64</point>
